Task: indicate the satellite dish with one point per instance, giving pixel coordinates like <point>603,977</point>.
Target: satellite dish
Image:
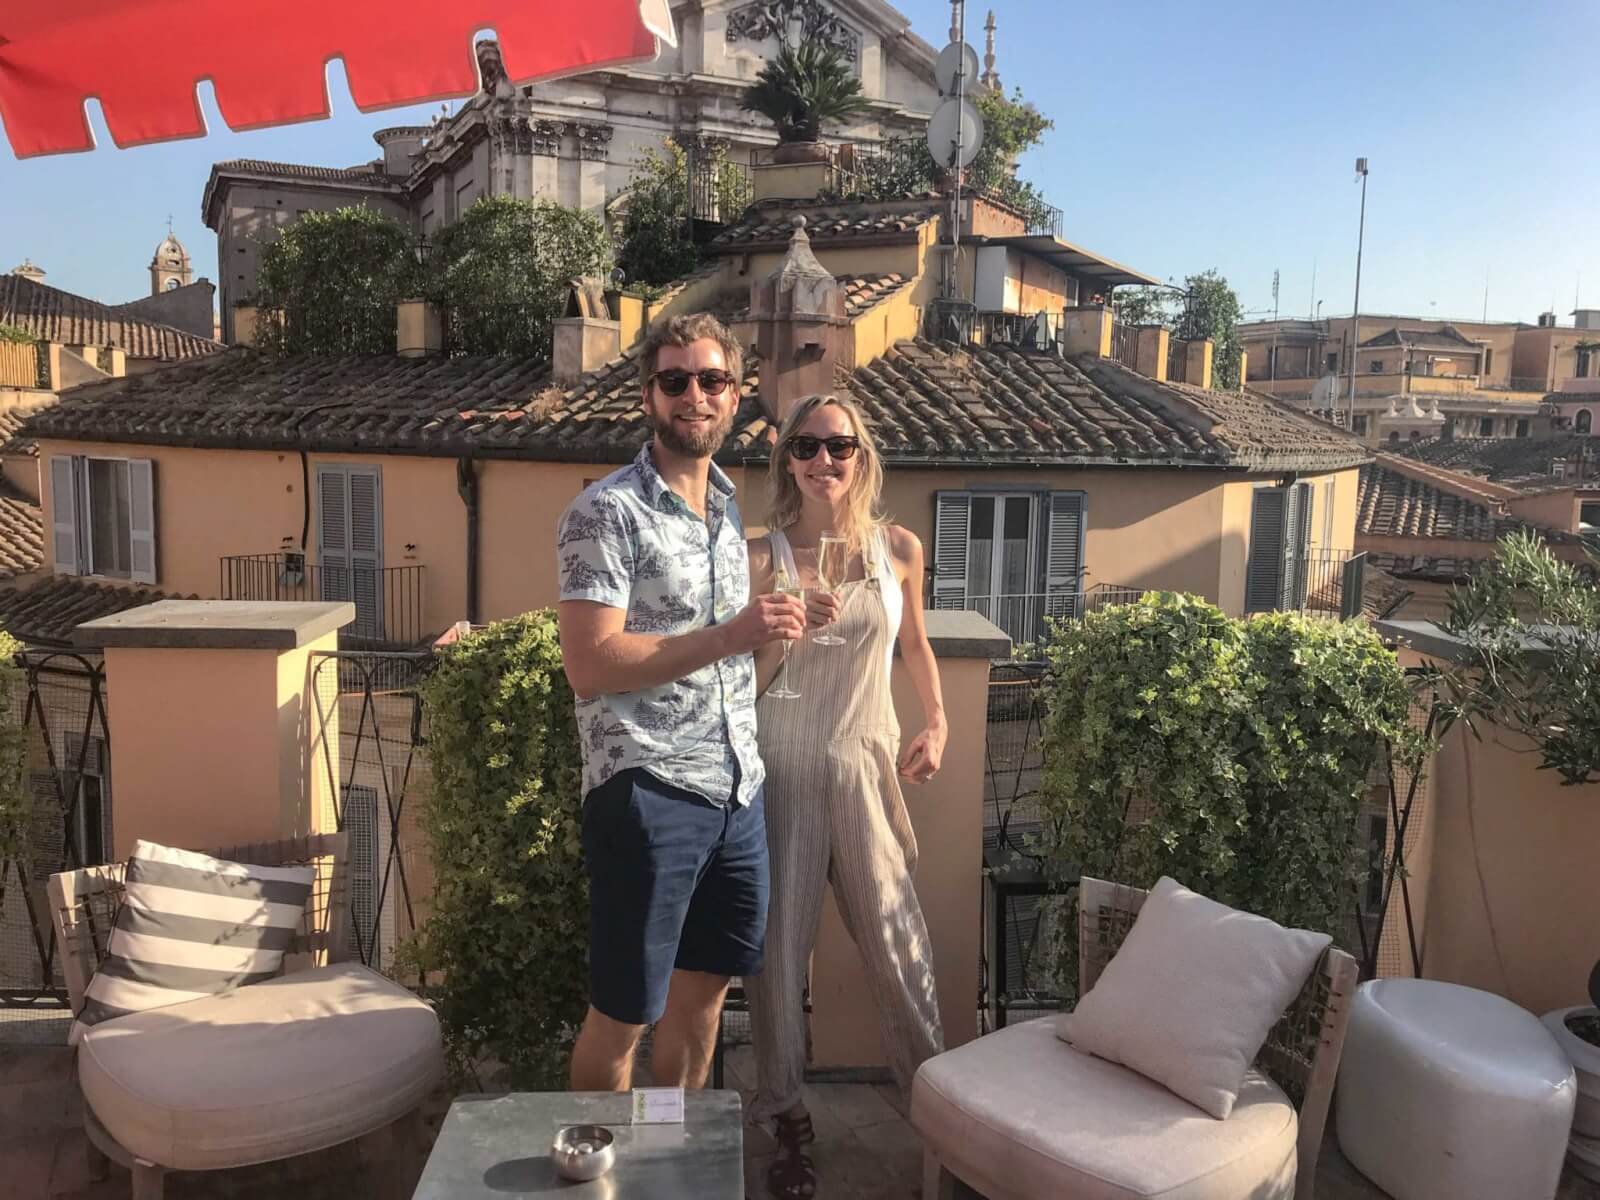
<point>951,118</point>
<point>955,55</point>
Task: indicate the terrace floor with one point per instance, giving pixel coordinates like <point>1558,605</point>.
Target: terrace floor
<point>866,1150</point>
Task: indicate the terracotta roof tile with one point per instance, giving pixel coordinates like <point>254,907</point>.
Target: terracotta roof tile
<point>53,315</point>
<point>46,612</point>
<point>1527,464</point>
<point>929,401</point>
<point>1390,504</point>
<point>12,442</point>
<point>21,534</point>
<point>366,173</point>
<point>772,223</point>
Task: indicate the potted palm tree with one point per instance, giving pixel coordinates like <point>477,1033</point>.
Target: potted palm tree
<point>798,91</point>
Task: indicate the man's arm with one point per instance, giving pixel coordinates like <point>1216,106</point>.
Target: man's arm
<point>602,657</point>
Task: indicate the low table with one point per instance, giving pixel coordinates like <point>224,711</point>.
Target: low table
<point>498,1146</point>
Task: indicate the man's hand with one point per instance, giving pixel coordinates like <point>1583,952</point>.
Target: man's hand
<point>770,618</point>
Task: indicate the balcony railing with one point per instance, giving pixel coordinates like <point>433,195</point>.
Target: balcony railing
<point>388,600</point>
<point>1329,583</point>
<point>1026,618</point>
<point>1125,345</point>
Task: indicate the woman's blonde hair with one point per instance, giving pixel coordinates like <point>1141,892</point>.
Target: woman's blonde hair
<point>863,514</point>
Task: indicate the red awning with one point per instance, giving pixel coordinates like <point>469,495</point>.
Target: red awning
<point>267,58</point>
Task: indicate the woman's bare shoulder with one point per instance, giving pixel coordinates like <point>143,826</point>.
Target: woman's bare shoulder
<point>903,544</point>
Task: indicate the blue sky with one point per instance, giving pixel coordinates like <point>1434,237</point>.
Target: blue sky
<point>1186,137</point>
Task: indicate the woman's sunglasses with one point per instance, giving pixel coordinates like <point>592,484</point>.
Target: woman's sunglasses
<point>805,447</point>
<point>676,383</point>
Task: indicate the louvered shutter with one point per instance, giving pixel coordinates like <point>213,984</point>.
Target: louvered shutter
<point>1297,527</point>
<point>333,533</point>
<point>64,514</point>
<point>952,520</point>
<point>1263,582</point>
<point>366,550</point>
<point>1063,558</point>
<point>142,520</point>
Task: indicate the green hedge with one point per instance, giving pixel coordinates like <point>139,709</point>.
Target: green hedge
<point>507,941</point>
<point>16,800</point>
<point>1232,755</point>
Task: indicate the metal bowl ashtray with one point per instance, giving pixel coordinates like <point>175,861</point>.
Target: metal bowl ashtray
<point>583,1152</point>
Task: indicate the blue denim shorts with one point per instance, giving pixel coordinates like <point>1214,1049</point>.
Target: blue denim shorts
<point>675,881</point>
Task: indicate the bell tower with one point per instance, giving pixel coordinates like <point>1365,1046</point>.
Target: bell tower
<point>170,268</point>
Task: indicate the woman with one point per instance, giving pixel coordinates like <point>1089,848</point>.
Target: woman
<point>834,809</point>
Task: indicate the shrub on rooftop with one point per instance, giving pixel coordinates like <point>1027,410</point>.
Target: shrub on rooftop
<point>507,939</point>
<point>16,799</point>
<point>1232,755</point>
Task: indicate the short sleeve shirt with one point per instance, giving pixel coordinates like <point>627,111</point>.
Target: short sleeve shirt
<point>631,542</point>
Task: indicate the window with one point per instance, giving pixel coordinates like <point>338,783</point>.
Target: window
<point>1416,435</point>
<point>1376,366</point>
<point>1359,424</point>
<point>1333,364</point>
<point>1394,437</point>
<point>1280,539</point>
<point>1017,558</point>
<point>1589,515</point>
<point>1582,371</point>
<point>1488,359</point>
<point>1584,421</point>
<point>350,542</point>
<point>103,517</point>
<point>1485,426</point>
<point>1522,426</point>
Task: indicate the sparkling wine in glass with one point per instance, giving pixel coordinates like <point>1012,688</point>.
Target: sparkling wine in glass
<point>785,585</point>
<point>833,570</point>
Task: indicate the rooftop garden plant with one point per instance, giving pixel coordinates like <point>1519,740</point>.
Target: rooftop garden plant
<point>804,88</point>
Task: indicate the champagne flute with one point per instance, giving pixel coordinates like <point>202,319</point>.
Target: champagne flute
<point>833,570</point>
<point>785,585</point>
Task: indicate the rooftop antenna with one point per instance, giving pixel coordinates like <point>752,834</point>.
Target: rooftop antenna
<point>1355,322</point>
<point>1272,355</point>
<point>1313,286</point>
<point>1486,295</point>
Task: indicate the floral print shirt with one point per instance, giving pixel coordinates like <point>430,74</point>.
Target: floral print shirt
<point>630,542</point>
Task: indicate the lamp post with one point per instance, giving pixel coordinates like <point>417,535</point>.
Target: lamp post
<point>1355,321</point>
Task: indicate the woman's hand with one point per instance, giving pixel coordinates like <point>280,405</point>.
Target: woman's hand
<point>919,761</point>
<point>822,608</point>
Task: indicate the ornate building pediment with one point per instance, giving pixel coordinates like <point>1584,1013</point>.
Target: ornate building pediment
<point>764,19</point>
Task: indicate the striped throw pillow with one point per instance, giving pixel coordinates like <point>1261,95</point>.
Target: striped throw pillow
<point>190,926</point>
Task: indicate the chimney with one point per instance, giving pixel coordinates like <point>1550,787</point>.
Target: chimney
<point>587,337</point>
<point>418,330</point>
<point>800,325</point>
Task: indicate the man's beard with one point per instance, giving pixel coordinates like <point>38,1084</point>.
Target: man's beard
<point>694,441</point>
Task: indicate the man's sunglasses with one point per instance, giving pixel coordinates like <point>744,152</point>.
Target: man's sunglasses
<point>676,383</point>
<point>805,447</point>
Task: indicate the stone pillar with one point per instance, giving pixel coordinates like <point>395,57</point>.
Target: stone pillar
<point>1087,330</point>
<point>545,182</point>
<point>1244,368</point>
<point>594,141</point>
<point>801,327</point>
<point>1197,368</point>
<point>1150,351</point>
<point>216,734</point>
<point>947,815</point>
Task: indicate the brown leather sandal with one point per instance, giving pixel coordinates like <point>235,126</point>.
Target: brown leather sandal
<point>792,1175</point>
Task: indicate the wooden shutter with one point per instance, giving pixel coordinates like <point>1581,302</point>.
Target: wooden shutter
<point>142,520</point>
<point>1063,555</point>
<point>952,520</point>
<point>333,533</point>
<point>1297,526</point>
<point>64,473</point>
<point>1263,579</point>
<point>366,550</point>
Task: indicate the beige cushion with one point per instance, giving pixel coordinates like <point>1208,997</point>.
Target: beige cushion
<point>1192,994</point>
<point>269,1071</point>
<point>1021,1115</point>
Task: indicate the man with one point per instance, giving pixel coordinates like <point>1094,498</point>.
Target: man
<point>657,630</point>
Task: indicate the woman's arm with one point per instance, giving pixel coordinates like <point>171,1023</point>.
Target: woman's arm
<point>920,759</point>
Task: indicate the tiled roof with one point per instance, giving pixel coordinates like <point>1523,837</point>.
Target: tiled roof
<point>1390,504</point>
<point>53,315</point>
<point>21,534</point>
<point>366,173</point>
<point>937,401</point>
<point>12,442</point>
<point>1523,463</point>
<point>1382,594</point>
<point>46,612</point>
<point>1448,338</point>
<point>862,293</point>
<point>930,402</point>
<point>1433,567</point>
<point>771,224</point>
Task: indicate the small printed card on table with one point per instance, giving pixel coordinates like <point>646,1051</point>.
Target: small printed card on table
<point>658,1106</point>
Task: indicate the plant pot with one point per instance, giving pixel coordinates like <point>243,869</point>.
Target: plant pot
<point>1583,1156</point>
<point>1585,1058</point>
<point>800,152</point>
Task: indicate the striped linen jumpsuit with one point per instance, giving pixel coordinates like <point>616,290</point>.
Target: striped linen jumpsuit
<point>835,815</point>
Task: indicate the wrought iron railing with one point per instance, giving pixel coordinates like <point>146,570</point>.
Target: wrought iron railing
<point>720,189</point>
<point>1026,618</point>
<point>1125,345</point>
<point>1330,584</point>
<point>371,777</point>
<point>388,600</point>
<point>1177,361</point>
